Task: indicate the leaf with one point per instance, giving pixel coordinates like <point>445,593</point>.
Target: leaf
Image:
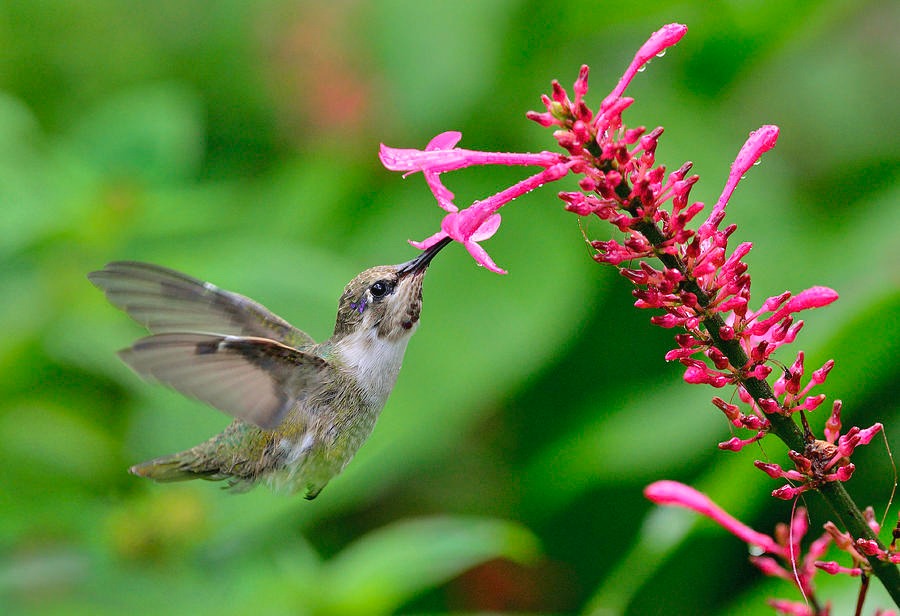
<point>389,566</point>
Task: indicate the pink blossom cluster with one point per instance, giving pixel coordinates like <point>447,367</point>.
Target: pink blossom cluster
<point>821,460</point>
<point>700,285</point>
<point>860,549</point>
<point>780,555</point>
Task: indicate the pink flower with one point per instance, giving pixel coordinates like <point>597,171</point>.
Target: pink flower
<point>581,134</point>
<point>821,461</point>
<point>781,554</point>
<point>479,221</point>
<point>678,494</point>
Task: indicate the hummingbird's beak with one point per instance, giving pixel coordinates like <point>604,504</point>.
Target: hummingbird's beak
<point>419,264</point>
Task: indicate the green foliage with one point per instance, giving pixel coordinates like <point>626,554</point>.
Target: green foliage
<point>237,142</point>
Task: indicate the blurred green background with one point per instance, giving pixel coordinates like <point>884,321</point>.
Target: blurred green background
<point>237,142</point>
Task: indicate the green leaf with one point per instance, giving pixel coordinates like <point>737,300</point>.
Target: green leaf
<point>389,566</point>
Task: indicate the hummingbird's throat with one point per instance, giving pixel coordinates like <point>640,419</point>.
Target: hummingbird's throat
<point>402,314</point>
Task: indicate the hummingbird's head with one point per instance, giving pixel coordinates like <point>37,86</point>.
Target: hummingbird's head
<point>386,298</point>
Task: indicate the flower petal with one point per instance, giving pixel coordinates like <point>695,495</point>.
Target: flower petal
<point>428,242</point>
<point>442,194</point>
<point>444,141</point>
<point>487,229</point>
<point>483,258</point>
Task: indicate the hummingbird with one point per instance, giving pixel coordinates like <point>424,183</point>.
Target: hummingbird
<point>302,409</point>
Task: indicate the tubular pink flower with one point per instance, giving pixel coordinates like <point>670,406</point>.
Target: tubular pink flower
<point>479,221</point>
<point>440,156</point>
<point>855,437</point>
<point>789,492</point>
<point>776,472</point>
<point>833,568</point>
<point>737,444</point>
<point>843,473</point>
<point>841,539</point>
<point>819,376</point>
<point>675,493</point>
<point>811,403</point>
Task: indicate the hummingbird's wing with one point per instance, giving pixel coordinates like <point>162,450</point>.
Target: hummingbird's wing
<point>165,301</point>
<point>254,379</point>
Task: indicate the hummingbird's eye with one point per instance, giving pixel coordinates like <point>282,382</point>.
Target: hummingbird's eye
<point>381,288</point>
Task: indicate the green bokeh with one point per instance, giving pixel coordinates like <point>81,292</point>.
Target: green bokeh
<point>237,142</point>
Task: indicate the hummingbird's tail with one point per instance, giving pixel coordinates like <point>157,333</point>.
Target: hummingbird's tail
<point>219,458</point>
<point>177,467</point>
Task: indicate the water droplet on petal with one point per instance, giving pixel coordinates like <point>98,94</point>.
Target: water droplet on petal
<point>661,54</point>
<point>757,162</point>
<point>642,69</point>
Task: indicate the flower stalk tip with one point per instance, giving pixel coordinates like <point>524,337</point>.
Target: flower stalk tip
<point>658,42</point>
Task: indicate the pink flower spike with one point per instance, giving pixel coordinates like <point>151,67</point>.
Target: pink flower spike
<point>678,494</point>
<point>658,42</point>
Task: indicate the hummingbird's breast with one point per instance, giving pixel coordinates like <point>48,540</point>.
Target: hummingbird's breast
<point>326,428</point>
<point>320,436</point>
<point>372,361</point>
